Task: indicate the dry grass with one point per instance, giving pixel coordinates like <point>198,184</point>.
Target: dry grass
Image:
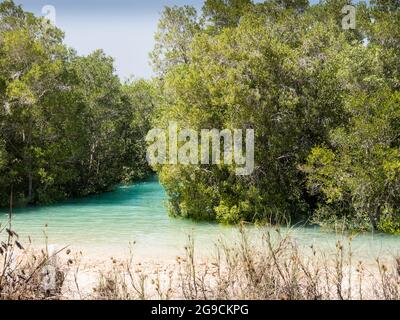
<point>26,274</point>
<point>273,268</point>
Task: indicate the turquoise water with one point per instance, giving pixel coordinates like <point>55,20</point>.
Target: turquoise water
<point>106,224</point>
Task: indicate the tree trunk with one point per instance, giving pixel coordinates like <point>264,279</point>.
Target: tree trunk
<point>30,186</point>
<point>378,212</point>
<point>375,217</point>
<point>30,160</point>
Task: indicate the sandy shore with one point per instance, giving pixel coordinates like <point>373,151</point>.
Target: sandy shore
<point>162,279</point>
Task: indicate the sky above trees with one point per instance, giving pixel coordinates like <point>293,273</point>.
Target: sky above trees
<point>124,29</point>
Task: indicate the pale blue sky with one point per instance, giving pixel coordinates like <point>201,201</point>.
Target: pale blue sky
<point>124,29</point>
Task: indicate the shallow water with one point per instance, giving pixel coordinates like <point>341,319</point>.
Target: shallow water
<point>106,224</point>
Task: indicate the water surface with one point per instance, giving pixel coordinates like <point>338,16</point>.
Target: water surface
<point>106,224</point>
